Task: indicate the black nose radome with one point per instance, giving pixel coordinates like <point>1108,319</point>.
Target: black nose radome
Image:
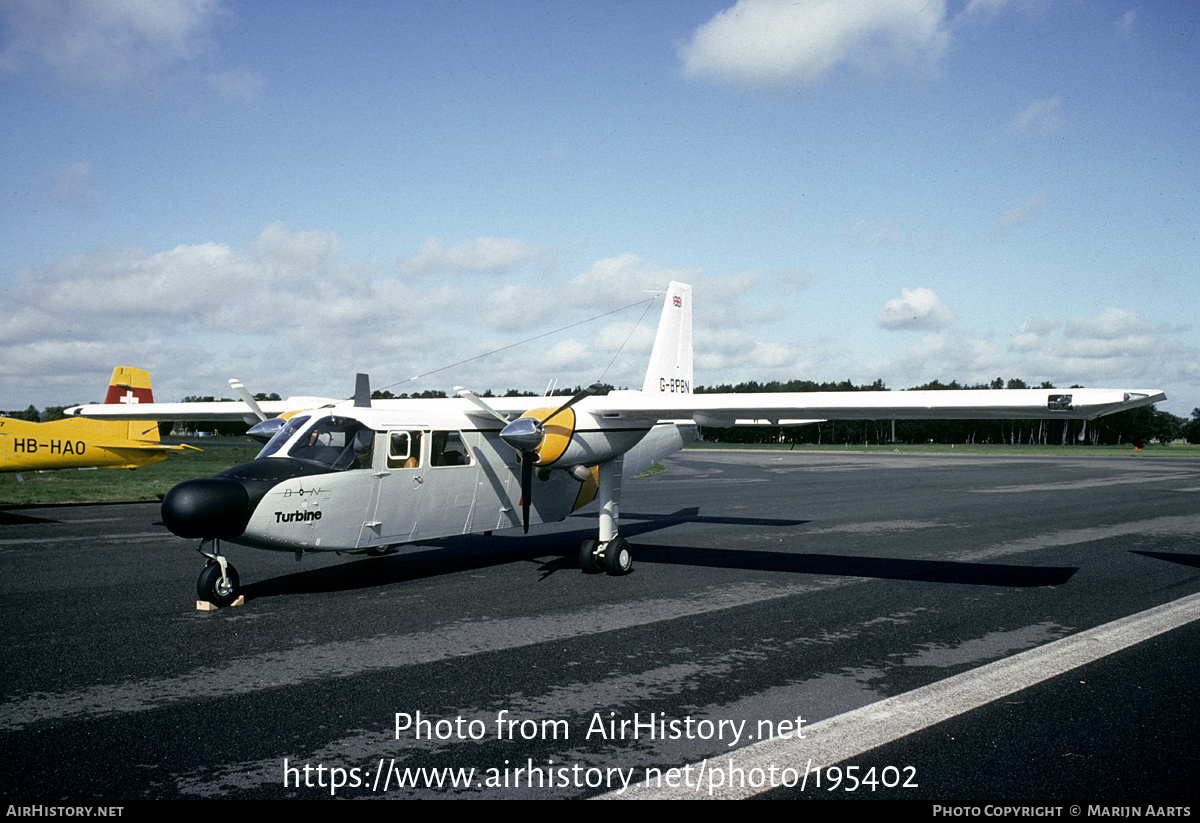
<point>209,507</point>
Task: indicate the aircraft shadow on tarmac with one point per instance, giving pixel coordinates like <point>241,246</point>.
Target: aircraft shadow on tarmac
<point>1183,558</point>
<point>457,554</point>
<point>11,518</point>
<point>886,568</point>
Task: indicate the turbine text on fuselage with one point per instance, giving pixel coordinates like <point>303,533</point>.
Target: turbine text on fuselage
<point>296,516</point>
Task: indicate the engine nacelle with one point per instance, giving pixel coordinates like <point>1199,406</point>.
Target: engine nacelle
<point>572,440</point>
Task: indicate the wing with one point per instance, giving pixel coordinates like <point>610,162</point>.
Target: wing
<point>794,407</point>
<point>215,411</point>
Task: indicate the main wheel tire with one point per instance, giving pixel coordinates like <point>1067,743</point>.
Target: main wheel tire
<point>587,556</point>
<point>618,559</point>
<point>210,587</point>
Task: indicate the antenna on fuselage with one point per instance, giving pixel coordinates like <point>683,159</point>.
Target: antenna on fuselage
<point>362,391</point>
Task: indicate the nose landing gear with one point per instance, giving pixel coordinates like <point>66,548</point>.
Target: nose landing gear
<point>218,583</point>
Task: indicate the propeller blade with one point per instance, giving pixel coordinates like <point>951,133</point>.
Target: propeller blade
<point>247,397</point>
<point>587,391</point>
<point>526,487</point>
<point>467,394</point>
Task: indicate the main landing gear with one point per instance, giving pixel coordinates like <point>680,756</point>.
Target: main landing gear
<point>613,557</point>
<point>610,553</point>
<point>218,583</point>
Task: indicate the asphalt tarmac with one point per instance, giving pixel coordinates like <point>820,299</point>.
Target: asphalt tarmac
<point>950,629</point>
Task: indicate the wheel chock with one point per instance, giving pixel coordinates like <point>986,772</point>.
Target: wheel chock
<point>205,606</point>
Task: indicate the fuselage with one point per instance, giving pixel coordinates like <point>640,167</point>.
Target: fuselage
<point>353,478</point>
<point>77,443</point>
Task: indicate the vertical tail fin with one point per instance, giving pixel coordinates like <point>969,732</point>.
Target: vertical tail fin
<point>129,385</point>
<point>132,386</point>
<point>670,370</point>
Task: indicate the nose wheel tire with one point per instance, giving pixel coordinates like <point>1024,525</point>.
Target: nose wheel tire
<point>212,588</point>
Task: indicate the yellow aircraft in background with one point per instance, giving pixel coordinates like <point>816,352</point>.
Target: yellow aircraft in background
<point>78,443</point>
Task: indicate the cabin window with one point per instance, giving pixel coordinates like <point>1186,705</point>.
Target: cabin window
<point>340,443</point>
<point>447,448</point>
<point>404,450</point>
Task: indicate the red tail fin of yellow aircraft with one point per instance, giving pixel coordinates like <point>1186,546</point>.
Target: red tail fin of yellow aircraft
<point>129,385</point>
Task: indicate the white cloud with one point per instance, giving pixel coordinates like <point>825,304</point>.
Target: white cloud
<point>568,357</point>
<point>1114,345</point>
<point>1114,348</point>
<point>188,307</point>
<point>293,253</point>
<point>1110,324</point>
<point>238,84</point>
<point>1033,334</point>
<point>978,8</point>
<point>626,334</point>
<point>943,357</point>
<point>1021,213</point>
<point>481,254</point>
<point>108,46</point>
<point>1040,117</point>
<point>732,350</point>
<point>915,309</point>
<point>618,281</point>
<point>784,42</point>
<point>290,313</point>
<point>511,306</point>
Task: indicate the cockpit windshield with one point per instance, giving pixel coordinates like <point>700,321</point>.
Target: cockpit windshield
<point>283,435</point>
<point>337,442</point>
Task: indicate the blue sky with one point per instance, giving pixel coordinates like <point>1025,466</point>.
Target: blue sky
<point>289,193</point>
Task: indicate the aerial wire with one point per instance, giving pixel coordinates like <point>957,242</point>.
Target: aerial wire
<point>647,301</point>
<point>642,317</point>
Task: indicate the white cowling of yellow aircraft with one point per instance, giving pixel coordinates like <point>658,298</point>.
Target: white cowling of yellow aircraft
<point>361,475</point>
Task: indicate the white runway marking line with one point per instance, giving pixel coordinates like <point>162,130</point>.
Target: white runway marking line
<point>315,662</point>
<point>74,539</point>
<point>853,733</point>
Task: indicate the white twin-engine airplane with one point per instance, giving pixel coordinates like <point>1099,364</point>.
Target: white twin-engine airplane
<point>363,475</point>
